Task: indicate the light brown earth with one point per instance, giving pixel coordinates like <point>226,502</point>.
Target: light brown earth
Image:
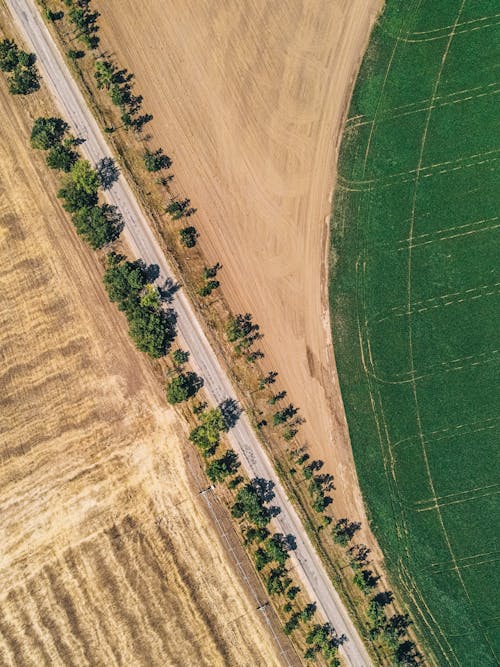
<point>249,99</point>
<point>106,555</point>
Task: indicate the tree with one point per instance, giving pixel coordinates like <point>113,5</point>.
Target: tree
<point>104,74</point>
<point>176,209</point>
<point>79,187</point>
<point>282,416</point>
<point>151,328</point>
<point>292,624</point>
<point>343,531</point>
<point>182,387</point>
<point>156,161</point>
<point>277,549</point>
<point>262,558</point>
<point>292,592</point>
<point>9,55</point>
<point>98,225</point>
<point>221,468</point>
<point>249,501</point>
<point>61,157</point>
<point>123,280</point>
<point>85,177</point>
<point>75,54</point>
<point>255,535</point>
<point>206,436</point>
<point>188,236</point>
<point>180,357</point>
<point>208,287</point>
<point>150,297</point>
<point>277,582</point>
<point>308,612</point>
<point>24,80</point>
<point>47,132</point>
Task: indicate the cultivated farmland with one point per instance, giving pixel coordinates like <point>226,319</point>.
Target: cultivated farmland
<point>106,556</point>
<point>414,304</point>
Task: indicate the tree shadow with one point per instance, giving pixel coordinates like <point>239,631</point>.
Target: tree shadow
<point>264,488</point>
<point>107,172</point>
<point>291,542</point>
<point>151,271</point>
<point>168,289</point>
<point>384,598</point>
<point>231,412</point>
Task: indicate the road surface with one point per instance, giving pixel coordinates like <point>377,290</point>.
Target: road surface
<point>138,234</point>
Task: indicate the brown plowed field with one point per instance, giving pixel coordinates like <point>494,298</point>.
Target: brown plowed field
<point>106,554</point>
<point>248,99</point>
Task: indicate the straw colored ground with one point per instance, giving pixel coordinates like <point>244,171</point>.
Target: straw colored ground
<point>248,99</point>
<point>106,555</point>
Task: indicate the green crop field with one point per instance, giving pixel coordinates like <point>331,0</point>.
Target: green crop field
<point>415,279</point>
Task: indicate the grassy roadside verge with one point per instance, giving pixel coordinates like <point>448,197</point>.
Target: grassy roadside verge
<point>214,313</point>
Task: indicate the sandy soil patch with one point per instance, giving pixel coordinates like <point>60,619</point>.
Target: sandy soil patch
<point>106,555</point>
<point>248,99</point>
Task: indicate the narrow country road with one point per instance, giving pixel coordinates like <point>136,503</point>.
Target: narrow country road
<point>139,236</point>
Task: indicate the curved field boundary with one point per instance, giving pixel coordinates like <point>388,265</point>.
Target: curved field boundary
<point>414,304</point>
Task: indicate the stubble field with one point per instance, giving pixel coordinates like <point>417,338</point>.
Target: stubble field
<point>414,298</point>
<point>106,556</point>
<point>248,99</point>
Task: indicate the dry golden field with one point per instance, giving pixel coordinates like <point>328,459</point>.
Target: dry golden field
<point>106,554</point>
<point>248,99</point>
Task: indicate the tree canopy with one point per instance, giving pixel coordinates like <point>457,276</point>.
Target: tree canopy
<point>47,132</point>
<point>206,436</point>
<point>182,387</point>
<point>222,467</point>
<point>149,325</point>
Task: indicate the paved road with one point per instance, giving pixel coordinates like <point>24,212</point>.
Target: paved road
<point>138,234</point>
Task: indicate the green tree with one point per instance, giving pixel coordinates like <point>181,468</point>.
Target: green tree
<point>277,581</point>
<point>206,436</point>
<point>277,549</point>
<point>221,468</point>
<point>123,279</point>
<point>150,330</point>
<point>61,157</point>
<point>47,132</point>
<point>98,225</point>
<point>24,80</point>
<point>150,297</point>
<point>156,161</point>
<point>9,55</point>
<point>182,387</point>
<point>308,612</point>
<point>292,592</point>
<point>208,287</point>
<point>188,236</point>
<point>104,74</point>
<point>249,501</point>
<point>176,209</point>
<point>180,357</point>
<point>292,624</point>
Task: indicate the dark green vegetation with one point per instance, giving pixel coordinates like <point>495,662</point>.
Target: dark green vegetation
<point>150,326</point>
<point>414,286</point>
<point>20,66</point>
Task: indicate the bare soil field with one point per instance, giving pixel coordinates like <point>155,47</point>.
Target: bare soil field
<point>249,99</point>
<point>106,557</point>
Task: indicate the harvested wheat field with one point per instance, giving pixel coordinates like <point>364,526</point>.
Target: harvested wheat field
<point>248,99</point>
<point>106,554</point>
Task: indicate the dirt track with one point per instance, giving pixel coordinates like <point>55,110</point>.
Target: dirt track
<point>106,556</point>
<point>248,99</point>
